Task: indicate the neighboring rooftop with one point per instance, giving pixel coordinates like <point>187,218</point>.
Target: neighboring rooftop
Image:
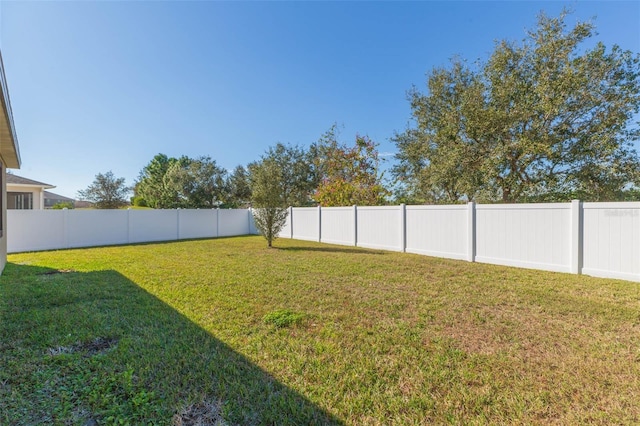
<point>12,179</point>
<point>51,196</point>
<point>51,199</point>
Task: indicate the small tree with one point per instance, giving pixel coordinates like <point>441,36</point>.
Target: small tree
<point>106,192</point>
<point>270,213</point>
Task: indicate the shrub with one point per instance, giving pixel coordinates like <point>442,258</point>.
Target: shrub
<point>63,205</point>
<point>138,201</point>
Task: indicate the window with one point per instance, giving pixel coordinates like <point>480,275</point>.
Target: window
<point>20,200</point>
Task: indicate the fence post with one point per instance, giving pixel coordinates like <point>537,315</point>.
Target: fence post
<point>291,221</point>
<point>403,228</point>
<point>65,227</point>
<point>249,221</point>
<point>471,231</point>
<point>319,223</point>
<point>355,225</point>
<point>576,236</point>
<point>178,223</point>
<point>217,222</point>
<point>128,225</point>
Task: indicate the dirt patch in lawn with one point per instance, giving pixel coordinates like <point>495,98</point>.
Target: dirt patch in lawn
<point>99,345</point>
<point>202,414</point>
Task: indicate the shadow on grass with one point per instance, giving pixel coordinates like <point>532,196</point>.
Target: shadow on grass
<point>159,362</point>
<point>331,249</point>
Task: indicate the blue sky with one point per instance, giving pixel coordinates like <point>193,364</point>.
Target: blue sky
<point>99,86</point>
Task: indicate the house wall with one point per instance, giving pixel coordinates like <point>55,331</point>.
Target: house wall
<point>38,194</point>
<point>3,237</point>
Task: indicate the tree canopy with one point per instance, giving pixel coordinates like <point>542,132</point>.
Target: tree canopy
<point>151,185</point>
<point>182,183</point>
<point>196,183</point>
<point>297,178</point>
<point>106,191</point>
<point>239,188</point>
<point>348,175</point>
<point>540,120</point>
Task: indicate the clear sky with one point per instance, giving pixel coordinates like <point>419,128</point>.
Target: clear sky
<point>99,86</point>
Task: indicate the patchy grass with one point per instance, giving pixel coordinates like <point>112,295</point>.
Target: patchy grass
<point>283,318</point>
<point>168,333</point>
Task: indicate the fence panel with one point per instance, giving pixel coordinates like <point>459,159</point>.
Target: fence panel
<point>611,242</point>
<point>30,230</point>
<point>305,223</point>
<point>252,224</point>
<point>380,227</point>
<point>534,236</point>
<point>285,232</point>
<point>86,228</point>
<point>153,225</point>
<point>233,222</point>
<point>338,225</point>
<point>440,231</point>
<point>197,223</point>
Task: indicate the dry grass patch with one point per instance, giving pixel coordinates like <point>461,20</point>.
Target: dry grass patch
<point>201,414</point>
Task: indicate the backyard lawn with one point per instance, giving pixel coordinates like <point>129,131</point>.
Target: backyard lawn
<point>235,333</point>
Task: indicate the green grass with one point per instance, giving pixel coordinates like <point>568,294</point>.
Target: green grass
<point>283,318</point>
<point>310,334</point>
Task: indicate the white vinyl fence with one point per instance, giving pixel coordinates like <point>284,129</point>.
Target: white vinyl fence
<point>599,239</point>
<point>32,230</point>
<point>611,242</point>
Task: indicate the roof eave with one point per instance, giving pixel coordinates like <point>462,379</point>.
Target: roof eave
<point>9,148</point>
<point>31,185</point>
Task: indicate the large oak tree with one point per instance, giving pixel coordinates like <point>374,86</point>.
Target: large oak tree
<point>541,120</point>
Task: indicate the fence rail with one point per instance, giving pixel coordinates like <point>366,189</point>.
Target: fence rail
<point>599,239</point>
<point>33,230</point>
